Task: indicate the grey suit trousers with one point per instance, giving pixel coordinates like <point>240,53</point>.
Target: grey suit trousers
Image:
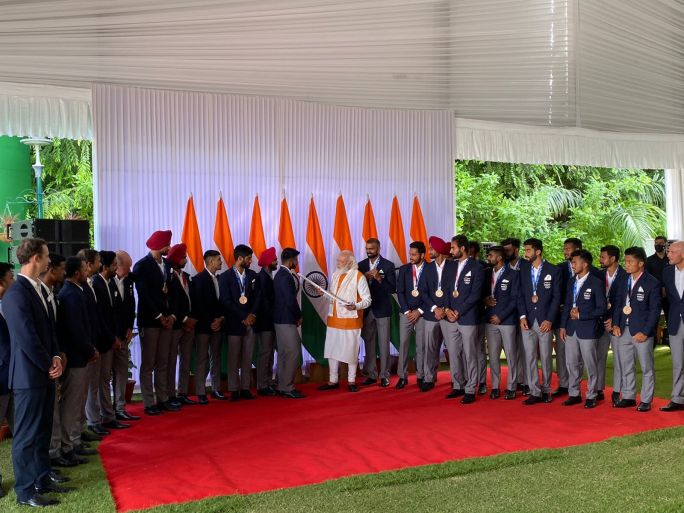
<point>537,343</point>
<point>208,360</point>
<point>482,354</point>
<point>289,355</point>
<point>677,351</point>
<point>99,407</point>
<point>607,341</point>
<point>376,330</point>
<point>405,331</point>
<point>154,345</point>
<point>240,351</point>
<point>499,336</point>
<point>56,438</point>
<point>120,377</point>
<point>561,364</point>
<point>74,392</point>
<point>264,366</point>
<point>180,350</point>
<point>433,344</point>
<point>578,350</point>
<point>628,352</point>
<point>461,342</point>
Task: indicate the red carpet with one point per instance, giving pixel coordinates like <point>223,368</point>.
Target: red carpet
<point>253,446</point>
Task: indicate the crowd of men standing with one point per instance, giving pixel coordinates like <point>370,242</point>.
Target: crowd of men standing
<point>66,325</point>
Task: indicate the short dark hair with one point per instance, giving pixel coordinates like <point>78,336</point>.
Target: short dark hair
<point>4,269</point>
<point>574,241</point>
<point>28,248</point>
<point>288,254</point>
<point>242,250</point>
<point>636,252</point>
<point>107,258</point>
<point>73,265</point>
<point>511,241</point>
<point>460,240</point>
<point>611,250</point>
<point>660,237</point>
<point>536,244</point>
<point>55,260</point>
<point>583,254</point>
<point>474,245</point>
<point>88,254</point>
<point>419,246</point>
<point>499,250</point>
<point>210,253</point>
<point>373,240</point>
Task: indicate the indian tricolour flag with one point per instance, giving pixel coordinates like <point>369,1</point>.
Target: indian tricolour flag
<point>396,252</point>
<point>314,304</point>
<point>369,230</point>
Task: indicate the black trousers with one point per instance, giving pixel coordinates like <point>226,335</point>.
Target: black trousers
<point>33,411</point>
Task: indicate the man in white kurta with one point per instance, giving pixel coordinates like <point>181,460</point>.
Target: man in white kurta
<point>345,319</point>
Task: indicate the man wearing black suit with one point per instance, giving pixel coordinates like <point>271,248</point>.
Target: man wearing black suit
<point>581,326</point>
<point>6,405</point>
<point>124,281</point>
<point>673,278</point>
<point>154,322</point>
<point>34,364</point>
<point>635,319</point>
<point>382,281</point>
<point>204,295</point>
<point>263,327</point>
<point>77,338</point>
<point>239,293</point>
<point>613,275</point>
<point>287,317</point>
<point>538,303</point>
<point>411,319</point>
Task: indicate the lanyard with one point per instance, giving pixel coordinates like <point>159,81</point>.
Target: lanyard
<point>535,277</point>
<point>416,275</point>
<point>375,264</point>
<point>496,276</point>
<point>575,292</point>
<point>241,280</point>
<point>440,268</point>
<point>458,272</point>
<point>609,281</point>
<point>630,285</point>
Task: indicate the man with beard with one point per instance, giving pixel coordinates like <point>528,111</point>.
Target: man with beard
<point>263,327</point>
<point>511,247</point>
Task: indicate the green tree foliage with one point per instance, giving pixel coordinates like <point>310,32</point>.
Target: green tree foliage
<point>601,206</point>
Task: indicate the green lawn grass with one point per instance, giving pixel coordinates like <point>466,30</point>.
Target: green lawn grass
<point>643,472</point>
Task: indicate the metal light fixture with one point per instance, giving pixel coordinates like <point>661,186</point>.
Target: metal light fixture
<point>37,142</point>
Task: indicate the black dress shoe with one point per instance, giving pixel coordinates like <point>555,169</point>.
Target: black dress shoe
<point>426,386</point>
<point>57,478</point>
<point>368,381</point>
<point>455,393</point>
<point>152,410</point>
<point>74,458</point>
<point>673,406</point>
<point>53,488</point>
<point>268,391</point>
<point>234,396</point>
<point>526,390</point>
<point>600,396</point>
<point>329,386</point>
<point>99,430</point>
<point>483,389</point>
<point>89,436</point>
<point>115,424</point>
<point>353,387</point>
<point>419,381</point>
<point>202,399</point>
<point>468,399</point>
<point>82,451</point>
<point>494,394</point>
<point>292,394</point>
<point>384,382</point>
<point>509,395</point>
<point>167,406</point>
<point>401,384</point>
<point>625,403</point>
<point>38,501</point>
<point>62,462</point>
<point>560,391</point>
<point>185,400</point>
<point>572,400</point>
<point>644,407</point>
<point>533,399</point>
<point>174,401</point>
<point>124,415</point>
<point>246,394</point>
<point>219,395</point>
<point>546,397</point>
<point>590,403</point>
<point>615,398</point>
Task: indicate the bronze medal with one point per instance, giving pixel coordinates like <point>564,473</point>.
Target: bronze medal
<point>535,298</point>
<point>609,306</point>
<point>243,300</point>
<point>415,293</point>
<point>455,294</point>
<point>627,310</point>
<point>439,293</point>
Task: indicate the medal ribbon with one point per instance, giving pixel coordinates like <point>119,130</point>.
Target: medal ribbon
<point>630,285</point>
<point>416,275</point>
<point>241,280</point>
<point>535,277</point>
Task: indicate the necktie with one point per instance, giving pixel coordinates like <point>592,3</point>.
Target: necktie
<point>50,311</point>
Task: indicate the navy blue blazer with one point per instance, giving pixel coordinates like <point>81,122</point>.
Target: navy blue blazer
<point>505,292</point>
<point>264,320</point>
<point>179,300</point>
<point>428,287</point>
<point>32,336</point>
<point>5,351</point>
<point>592,305</point>
<point>152,296</point>
<point>286,308</point>
<point>126,307</point>
<point>107,310</point>
<point>645,303</point>
<point>611,297</point>
<point>206,305</point>
<point>405,288</point>
<point>381,292</point>
<point>566,276</point>
<point>469,301</point>
<point>675,312</point>
<point>74,326</point>
<point>235,313</point>
<point>548,292</point>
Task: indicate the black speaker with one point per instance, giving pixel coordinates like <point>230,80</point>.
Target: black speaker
<point>67,249</point>
<point>47,229</point>
<point>75,231</point>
